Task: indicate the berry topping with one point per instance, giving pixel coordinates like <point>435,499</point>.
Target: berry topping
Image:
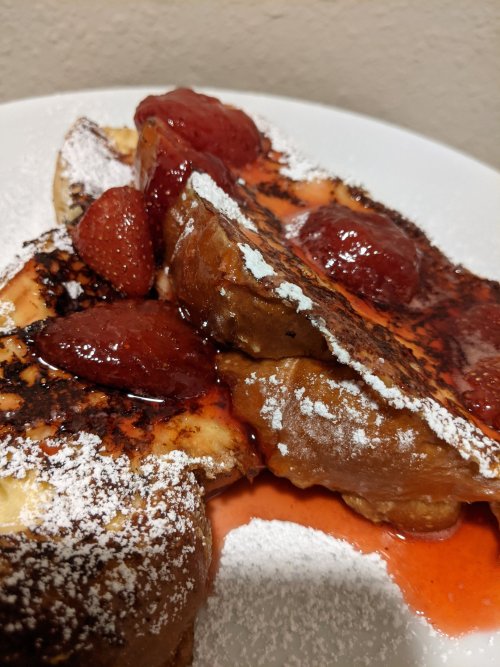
<point>479,327</point>
<point>483,399</point>
<point>205,123</point>
<point>114,239</point>
<point>476,330</point>
<point>144,347</point>
<point>164,161</point>
<point>366,252</point>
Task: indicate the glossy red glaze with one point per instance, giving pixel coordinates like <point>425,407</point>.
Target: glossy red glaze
<point>205,123</point>
<point>366,252</point>
<point>483,399</point>
<point>453,582</point>
<point>141,346</point>
<point>114,238</point>
<point>479,326</point>
<point>164,161</point>
<point>476,332</point>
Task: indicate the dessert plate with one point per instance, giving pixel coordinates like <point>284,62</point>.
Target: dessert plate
<point>455,199</point>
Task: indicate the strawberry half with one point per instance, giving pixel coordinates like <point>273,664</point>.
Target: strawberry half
<point>142,346</point>
<point>114,239</point>
<point>164,161</point>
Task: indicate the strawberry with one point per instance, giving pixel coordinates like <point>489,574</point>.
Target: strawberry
<point>164,162</point>
<point>142,346</point>
<point>483,399</point>
<point>206,124</point>
<point>114,239</point>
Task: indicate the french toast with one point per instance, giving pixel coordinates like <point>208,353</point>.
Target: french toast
<point>237,270</point>
<point>102,493</point>
<point>340,390</point>
<point>91,160</point>
<point>319,424</point>
<point>253,290</point>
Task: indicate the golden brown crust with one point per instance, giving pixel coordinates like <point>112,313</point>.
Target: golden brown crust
<point>221,296</point>
<point>104,553</point>
<point>395,359</point>
<point>418,516</point>
<point>317,423</point>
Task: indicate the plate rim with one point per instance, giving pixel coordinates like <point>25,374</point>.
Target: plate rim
<point>215,90</point>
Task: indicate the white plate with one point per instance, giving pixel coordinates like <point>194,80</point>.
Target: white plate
<point>454,198</point>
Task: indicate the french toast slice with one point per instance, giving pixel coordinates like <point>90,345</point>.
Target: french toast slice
<point>318,423</point>
<point>92,159</point>
<point>56,283</point>
<point>104,544</point>
<point>251,292</point>
<point>398,354</point>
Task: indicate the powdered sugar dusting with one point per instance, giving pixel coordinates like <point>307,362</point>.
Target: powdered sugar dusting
<point>89,161</point>
<point>283,448</point>
<point>290,595</point>
<point>254,262</point>
<point>53,239</point>
<point>294,165</point>
<point>293,292</point>
<point>467,439</point>
<point>272,411</point>
<point>7,309</point>
<point>73,288</point>
<point>355,419</point>
<point>105,529</point>
<point>207,189</point>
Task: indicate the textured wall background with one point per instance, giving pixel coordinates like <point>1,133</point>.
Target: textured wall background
<point>432,65</point>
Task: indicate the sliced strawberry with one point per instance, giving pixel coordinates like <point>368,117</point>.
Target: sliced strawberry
<point>205,123</point>
<point>483,399</point>
<point>164,162</point>
<point>114,239</point>
<point>142,346</point>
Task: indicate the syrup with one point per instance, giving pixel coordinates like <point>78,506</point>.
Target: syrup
<point>453,582</point>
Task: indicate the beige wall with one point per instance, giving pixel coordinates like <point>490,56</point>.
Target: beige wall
<point>429,65</point>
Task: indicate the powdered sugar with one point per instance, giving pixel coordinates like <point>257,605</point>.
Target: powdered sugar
<point>294,165</point>
<point>272,411</point>
<point>356,420</point>
<point>283,448</point>
<point>73,288</point>
<point>88,160</point>
<point>97,512</point>
<point>51,240</point>
<point>294,293</point>
<point>7,309</point>
<point>254,262</point>
<point>286,595</point>
<point>205,187</point>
